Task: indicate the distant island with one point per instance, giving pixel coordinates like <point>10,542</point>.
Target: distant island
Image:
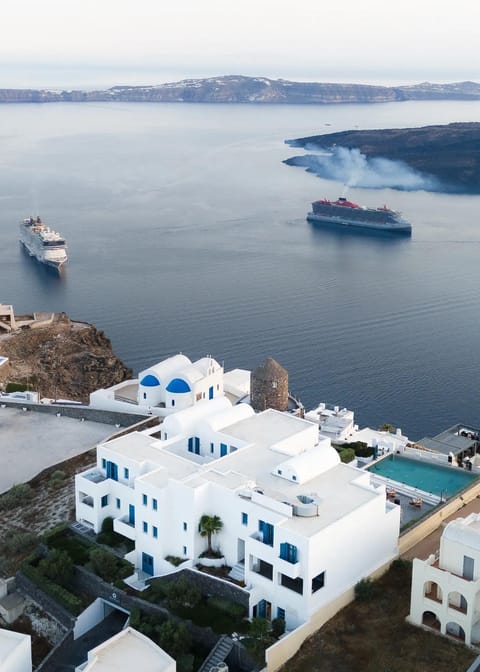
<point>444,158</point>
<point>240,89</point>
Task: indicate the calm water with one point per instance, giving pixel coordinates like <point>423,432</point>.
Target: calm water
<point>187,233</point>
<point>427,477</point>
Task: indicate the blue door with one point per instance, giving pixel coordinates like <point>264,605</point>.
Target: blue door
<point>131,514</point>
<point>210,392</point>
<point>112,471</point>
<point>147,564</point>
<point>223,449</point>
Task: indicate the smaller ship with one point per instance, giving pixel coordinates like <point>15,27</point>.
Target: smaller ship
<point>43,243</point>
<point>345,213</point>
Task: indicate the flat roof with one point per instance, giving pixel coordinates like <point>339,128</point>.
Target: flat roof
<point>268,427</point>
<point>32,441</point>
<point>9,641</point>
<point>128,650</point>
<point>450,441</point>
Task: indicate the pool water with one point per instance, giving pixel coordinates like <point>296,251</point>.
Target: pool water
<point>440,481</point>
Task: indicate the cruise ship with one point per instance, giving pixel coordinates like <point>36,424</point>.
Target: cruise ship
<point>43,243</point>
<point>345,213</point>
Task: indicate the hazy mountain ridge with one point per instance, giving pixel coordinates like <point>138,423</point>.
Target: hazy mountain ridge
<point>241,89</point>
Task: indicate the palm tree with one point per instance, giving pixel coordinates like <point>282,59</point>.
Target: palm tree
<point>210,525</point>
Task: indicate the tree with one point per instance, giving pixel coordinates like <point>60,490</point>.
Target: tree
<point>173,637</point>
<point>182,593</point>
<point>104,564</point>
<point>387,427</point>
<point>210,525</point>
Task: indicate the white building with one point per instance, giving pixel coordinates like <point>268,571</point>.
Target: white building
<point>446,587</point>
<point>15,651</point>
<point>126,651</point>
<point>172,385</point>
<point>298,525</point>
<point>335,422</point>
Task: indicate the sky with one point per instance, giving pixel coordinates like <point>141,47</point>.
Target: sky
<point>108,42</point>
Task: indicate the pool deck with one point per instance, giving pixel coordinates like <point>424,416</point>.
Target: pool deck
<point>431,543</point>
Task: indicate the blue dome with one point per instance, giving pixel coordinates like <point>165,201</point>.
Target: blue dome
<point>177,386</point>
<point>149,381</point>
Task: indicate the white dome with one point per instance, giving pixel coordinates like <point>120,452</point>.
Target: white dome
<point>179,424</point>
<point>309,464</point>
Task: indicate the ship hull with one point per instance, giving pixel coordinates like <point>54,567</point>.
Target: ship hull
<point>399,226</point>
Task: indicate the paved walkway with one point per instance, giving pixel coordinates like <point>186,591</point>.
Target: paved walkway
<point>431,544</point>
<point>31,442</point>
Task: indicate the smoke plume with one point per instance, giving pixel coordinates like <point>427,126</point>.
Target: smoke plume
<point>354,169</point>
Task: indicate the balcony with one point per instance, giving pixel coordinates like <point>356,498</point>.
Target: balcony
<point>290,569</point>
<point>124,527</point>
<point>85,499</point>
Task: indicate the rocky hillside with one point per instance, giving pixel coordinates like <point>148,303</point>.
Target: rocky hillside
<point>450,153</point>
<point>65,360</point>
<point>240,89</point>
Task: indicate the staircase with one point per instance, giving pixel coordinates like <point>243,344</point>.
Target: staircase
<point>237,573</point>
<point>216,657</point>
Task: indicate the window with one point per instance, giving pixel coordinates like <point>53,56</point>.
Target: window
<point>155,532</point>
<point>223,449</point>
<point>104,463</point>
<point>318,582</point>
<point>173,402</point>
<point>145,527</point>
<point>144,500</point>
<point>117,501</point>
<point>288,552</point>
<point>294,478</point>
<point>144,395</point>
<point>184,550</point>
<point>233,449</point>
<point>126,473</point>
<point>212,447</point>
<point>154,504</point>
<point>280,613</point>
<point>184,527</point>
<point>263,568</point>
<point>165,436</point>
<point>292,584</point>
<point>244,518</point>
<point>266,529</point>
<point>104,500</point>
<point>112,470</point>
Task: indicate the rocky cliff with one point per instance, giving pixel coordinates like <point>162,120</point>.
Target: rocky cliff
<point>65,360</point>
<point>240,89</point>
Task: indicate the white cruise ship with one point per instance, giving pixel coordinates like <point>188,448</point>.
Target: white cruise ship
<point>43,243</point>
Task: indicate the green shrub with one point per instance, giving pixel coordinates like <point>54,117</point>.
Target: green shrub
<point>182,593</point>
<point>20,542</point>
<point>365,590</point>
<point>16,387</point>
<point>228,606</point>
<point>57,566</point>
<point>71,602</point>
<point>173,637</point>
<point>107,525</point>
<point>174,560</point>
<point>347,455</point>
<point>104,564</point>
<point>278,627</point>
<point>16,496</point>
<point>57,478</point>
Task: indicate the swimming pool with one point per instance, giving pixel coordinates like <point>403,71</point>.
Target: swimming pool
<point>442,481</point>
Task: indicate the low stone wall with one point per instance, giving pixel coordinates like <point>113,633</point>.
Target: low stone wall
<point>59,656</point>
<point>78,412</point>
<point>210,585</point>
<point>432,522</point>
<point>51,606</point>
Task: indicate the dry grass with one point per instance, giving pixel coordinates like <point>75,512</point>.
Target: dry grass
<point>374,637</point>
<point>52,502</point>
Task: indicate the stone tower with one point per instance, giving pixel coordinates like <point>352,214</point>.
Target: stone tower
<point>269,386</point>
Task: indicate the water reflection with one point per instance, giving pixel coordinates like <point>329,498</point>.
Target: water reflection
<point>332,232</point>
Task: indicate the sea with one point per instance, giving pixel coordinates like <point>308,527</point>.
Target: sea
<point>187,233</point>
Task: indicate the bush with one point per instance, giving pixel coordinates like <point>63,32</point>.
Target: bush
<point>182,593</point>
<point>16,496</point>
<point>347,455</point>
<point>104,564</point>
<point>173,637</point>
<point>16,387</point>
<point>20,542</point>
<point>57,478</point>
<point>71,602</point>
<point>57,566</point>
<point>365,590</point>
<point>231,608</point>
<point>278,627</point>
<point>174,560</point>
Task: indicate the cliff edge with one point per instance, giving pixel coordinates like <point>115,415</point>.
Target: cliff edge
<point>63,360</point>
